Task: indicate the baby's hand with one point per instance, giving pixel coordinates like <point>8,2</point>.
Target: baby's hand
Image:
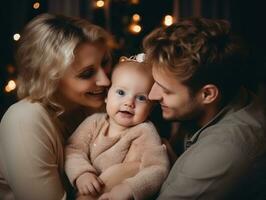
<point>119,192</point>
<point>89,184</point>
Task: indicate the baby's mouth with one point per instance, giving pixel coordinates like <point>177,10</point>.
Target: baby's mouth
<point>126,113</point>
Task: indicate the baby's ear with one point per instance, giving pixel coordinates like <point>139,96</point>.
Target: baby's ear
<point>105,100</point>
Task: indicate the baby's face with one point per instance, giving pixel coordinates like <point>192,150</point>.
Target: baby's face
<point>127,102</point>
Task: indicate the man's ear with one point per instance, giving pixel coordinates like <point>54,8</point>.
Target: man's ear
<point>209,93</point>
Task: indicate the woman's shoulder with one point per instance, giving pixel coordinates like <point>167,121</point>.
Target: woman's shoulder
<point>24,109</point>
<point>28,119</point>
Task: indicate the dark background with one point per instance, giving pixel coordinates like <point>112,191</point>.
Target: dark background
<point>247,19</point>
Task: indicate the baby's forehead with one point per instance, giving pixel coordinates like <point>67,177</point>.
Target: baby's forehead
<point>127,77</point>
<point>130,66</point>
<point>128,73</point>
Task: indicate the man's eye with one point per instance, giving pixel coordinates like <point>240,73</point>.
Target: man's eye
<point>166,91</point>
<point>141,98</point>
<point>87,74</point>
<point>120,92</point>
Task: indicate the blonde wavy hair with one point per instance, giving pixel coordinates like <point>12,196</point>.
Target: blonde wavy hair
<point>46,50</point>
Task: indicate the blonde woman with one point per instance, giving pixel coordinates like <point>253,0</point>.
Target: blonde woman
<point>61,81</point>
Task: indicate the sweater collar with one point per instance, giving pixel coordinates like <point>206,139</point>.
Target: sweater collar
<point>242,99</point>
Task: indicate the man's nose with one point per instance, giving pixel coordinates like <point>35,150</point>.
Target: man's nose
<point>155,93</point>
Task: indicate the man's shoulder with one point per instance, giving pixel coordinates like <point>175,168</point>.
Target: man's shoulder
<point>242,125</point>
<point>248,111</point>
<point>234,142</point>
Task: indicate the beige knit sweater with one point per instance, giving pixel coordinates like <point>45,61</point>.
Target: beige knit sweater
<point>136,158</point>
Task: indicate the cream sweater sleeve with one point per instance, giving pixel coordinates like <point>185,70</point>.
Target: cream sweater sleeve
<point>154,164</point>
<point>77,151</point>
<point>30,152</point>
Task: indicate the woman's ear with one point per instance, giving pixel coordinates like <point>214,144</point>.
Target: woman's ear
<point>209,93</point>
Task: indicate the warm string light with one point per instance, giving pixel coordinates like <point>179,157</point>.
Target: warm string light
<point>36,5</point>
<point>16,36</point>
<point>11,85</point>
<point>168,20</point>
<point>134,1</point>
<point>99,3</point>
<point>134,26</point>
<point>136,17</point>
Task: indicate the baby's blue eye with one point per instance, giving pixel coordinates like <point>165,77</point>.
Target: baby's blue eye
<point>141,98</point>
<point>120,92</point>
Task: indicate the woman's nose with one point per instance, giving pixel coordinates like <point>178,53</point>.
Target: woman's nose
<point>102,79</point>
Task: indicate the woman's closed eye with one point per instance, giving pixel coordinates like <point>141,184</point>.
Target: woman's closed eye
<point>86,74</point>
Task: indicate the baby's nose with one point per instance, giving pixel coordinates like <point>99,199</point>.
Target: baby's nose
<point>130,103</point>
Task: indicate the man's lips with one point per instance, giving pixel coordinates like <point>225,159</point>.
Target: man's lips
<point>163,106</point>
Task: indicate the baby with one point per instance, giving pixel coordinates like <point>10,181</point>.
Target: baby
<point>119,154</point>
